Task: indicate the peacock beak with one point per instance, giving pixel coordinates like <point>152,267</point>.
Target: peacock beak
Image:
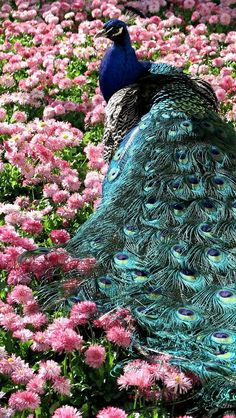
<point>100,33</point>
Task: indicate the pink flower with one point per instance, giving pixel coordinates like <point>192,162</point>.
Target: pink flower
<point>229,416</point>
<point>67,412</point>
<point>36,384</point>
<point>227,82</point>
<point>139,378</point>
<point>50,189</point>
<point>220,94</point>
<point>62,385</point>
<point>11,321</point>
<point>48,113</point>
<point>22,374</point>
<point>3,114</point>
<point>213,19</point>
<point>21,294</point>
<point>60,196</point>
<point>59,109</point>
<point>59,236</point>
<point>178,383</point>
<point>85,307</point>
<point>40,342</point>
<point>19,116</point>
<point>225,18</point>
<point>23,334</point>
<point>189,4</point>
<point>71,183</point>
<point>95,356</point>
<point>49,369</point>
<point>75,201</point>
<point>37,319</point>
<point>94,154</point>
<point>80,80</point>
<point>32,226</point>
<point>3,353</point>
<point>65,340</point>
<point>119,336</point>
<point>111,412</point>
<point>186,416</point>
<point>195,16</point>
<point>22,400</point>
<point>6,412</point>
<point>218,62</point>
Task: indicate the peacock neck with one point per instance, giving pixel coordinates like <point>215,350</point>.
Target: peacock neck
<point>119,68</point>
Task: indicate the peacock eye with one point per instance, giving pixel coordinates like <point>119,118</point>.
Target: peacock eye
<point>117,31</point>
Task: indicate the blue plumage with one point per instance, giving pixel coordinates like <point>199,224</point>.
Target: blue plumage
<point>120,66</point>
<point>164,233</point>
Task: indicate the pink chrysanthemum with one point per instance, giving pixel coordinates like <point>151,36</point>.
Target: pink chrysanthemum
<point>186,416</point>
<point>81,312</point>
<point>22,374</point>
<point>139,378</point>
<point>178,383</point>
<point>21,294</point>
<point>95,356</point>
<point>119,336</point>
<point>62,385</point>
<point>67,412</point>
<point>229,416</point>
<point>49,369</point>
<point>22,400</point>
<point>23,334</point>
<point>39,342</point>
<point>36,385</point>
<point>86,307</point>
<point>67,340</point>
<point>6,412</point>
<point>111,412</point>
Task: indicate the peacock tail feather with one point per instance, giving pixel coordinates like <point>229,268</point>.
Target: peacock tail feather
<point>164,234</point>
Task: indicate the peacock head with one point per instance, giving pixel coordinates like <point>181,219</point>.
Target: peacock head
<point>114,29</point>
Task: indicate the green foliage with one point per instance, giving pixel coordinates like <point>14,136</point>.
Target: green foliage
<point>11,184</point>
<point>24,38</point>
<point>76,67</point>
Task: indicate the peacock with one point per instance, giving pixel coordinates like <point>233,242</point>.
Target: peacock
<point>164,234</point>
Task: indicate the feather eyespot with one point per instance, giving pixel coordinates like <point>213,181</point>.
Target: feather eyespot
<point>181,157</point>
<point>206,229</point>
<point>216,154</point>
<point>226,356</point>
<point>121,259</point>
<point>139,276</point>
<point>117,155</point>
<point>113,174</point>
<point>208,206</point>
<point>186,125</point>
<point>178,209</point>
<point>214,255</point>
<point>193,181</point>
<point>130,230</point>
<point>227,297</point>
<point>104,283</point>
<point>222,337</point>
<point>178,250</point>
<point>219,182</point>
<point>153,294</point>
<point>186,315</point>
<point>151,202</point>
<point>187,275</point>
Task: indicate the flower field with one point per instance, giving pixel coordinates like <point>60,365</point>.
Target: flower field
<point>74,362</point>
